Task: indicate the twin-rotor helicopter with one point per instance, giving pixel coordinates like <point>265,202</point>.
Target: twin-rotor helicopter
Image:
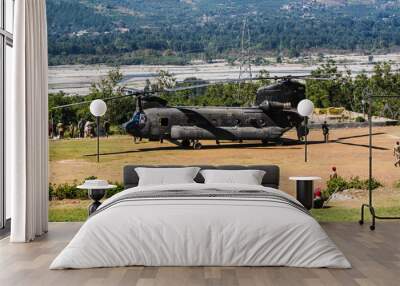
<point>273,113</point>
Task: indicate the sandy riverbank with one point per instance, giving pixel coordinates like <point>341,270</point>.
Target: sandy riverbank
<point>76,79</point>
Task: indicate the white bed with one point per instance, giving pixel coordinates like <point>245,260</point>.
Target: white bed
<point>201,231</point>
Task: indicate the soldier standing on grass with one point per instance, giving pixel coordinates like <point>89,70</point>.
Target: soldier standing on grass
<point>72,130</point>
<point>61,130</point>
<point>300,133</point>
<point>50,129</point>
<point>81,127</point>
<point>88,129</point>
<point>334,174</point>
<point>325,131</point>
<point>396,154</point>
<point>107,127</point>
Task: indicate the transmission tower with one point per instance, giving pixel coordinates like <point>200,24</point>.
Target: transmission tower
<point>245,56</point>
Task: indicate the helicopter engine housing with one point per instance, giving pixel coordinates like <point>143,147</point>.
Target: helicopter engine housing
<point>273,105</point>
<point>285,92</point>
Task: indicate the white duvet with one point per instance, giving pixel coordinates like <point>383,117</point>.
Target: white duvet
<point>200,232</point>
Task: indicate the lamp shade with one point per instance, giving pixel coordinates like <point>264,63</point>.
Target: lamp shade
<point>98,107</point>
<point>305,107</point>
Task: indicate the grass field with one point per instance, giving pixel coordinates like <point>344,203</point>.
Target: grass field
<point>75,210</point>
<point>74,160</point>
<point>68,210</point>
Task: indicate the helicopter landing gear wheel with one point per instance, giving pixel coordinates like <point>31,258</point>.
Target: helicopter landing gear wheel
<point>264,141</point>
<point>185,143</point>
<point>197,145</point>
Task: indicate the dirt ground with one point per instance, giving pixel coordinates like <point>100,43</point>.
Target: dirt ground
<point>348,150</point>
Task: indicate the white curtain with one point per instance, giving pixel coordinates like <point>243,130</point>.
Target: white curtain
<point>27,124</point>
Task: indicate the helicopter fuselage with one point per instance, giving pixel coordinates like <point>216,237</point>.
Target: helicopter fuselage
<point>219,123</point>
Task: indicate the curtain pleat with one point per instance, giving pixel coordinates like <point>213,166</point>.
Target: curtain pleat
<point>28,124</point>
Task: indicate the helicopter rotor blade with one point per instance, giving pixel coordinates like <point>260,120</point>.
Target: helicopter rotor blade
<point>138,92</point>
<point>188,87</point>
<point>127,92</point>
<point>88,102</point>
<point>222,81</point>
<point>225,81</point>
<point>319,78</point>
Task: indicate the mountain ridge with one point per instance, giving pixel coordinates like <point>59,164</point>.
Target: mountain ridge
<point>133,31</point>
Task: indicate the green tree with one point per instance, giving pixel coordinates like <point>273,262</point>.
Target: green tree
<point>165,80</point>
<point>328,90</point>
<point>119,110</point>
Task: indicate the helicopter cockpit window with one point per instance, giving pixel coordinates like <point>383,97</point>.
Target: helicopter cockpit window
<point>164,121</point>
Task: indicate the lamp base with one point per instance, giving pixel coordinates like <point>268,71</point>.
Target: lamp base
<point>96,196</point>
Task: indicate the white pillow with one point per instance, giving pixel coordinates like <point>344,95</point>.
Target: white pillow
<point>166,176</point>
<point>245,177</point>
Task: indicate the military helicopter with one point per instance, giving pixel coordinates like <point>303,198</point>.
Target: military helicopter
<point>274,112</point>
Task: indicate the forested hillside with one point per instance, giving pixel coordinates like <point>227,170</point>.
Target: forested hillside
<point>176,31</point>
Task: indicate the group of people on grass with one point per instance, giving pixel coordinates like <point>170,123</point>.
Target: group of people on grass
<point>84,129</point>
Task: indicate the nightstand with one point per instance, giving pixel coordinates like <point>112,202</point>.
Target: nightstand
<point>305,190</point>
<point>97,189</point>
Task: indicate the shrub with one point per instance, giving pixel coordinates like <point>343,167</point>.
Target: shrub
<point>340,184</point>
<point>336,110</point>
<point>357,183</point>
<point>114,191</point>
<point>66,191</point>
<point>51,191</point>
<point>360,119</point>
<point>91,178</point>
<point>375,183</point>
<point>321,111</point>
<point>70,191</point>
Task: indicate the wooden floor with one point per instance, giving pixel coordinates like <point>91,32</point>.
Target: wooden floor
<point>375,257</point>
